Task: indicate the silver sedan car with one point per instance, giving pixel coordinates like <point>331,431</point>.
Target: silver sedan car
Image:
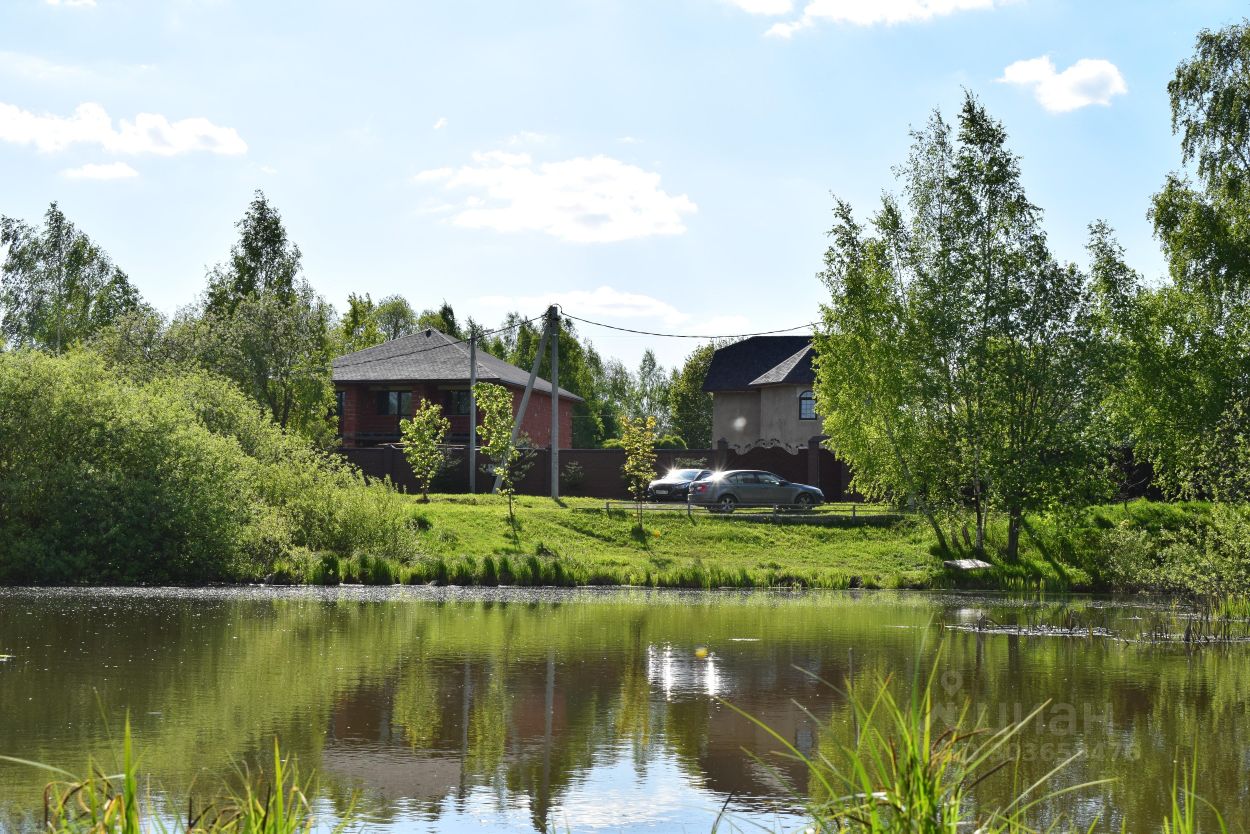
<point>726,490</point>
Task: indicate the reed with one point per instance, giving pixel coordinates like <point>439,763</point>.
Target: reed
<point>100,803</point>
<point>904,771</point>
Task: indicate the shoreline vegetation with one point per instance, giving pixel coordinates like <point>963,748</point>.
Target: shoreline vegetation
<point>179,479</point>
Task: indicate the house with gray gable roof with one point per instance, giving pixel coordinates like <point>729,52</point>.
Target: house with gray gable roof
<point>379,386</point>
<point>762,394</point>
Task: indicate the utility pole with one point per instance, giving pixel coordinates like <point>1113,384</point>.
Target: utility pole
<point>472,411</point>
<point>553,323</point>
<point>525,398</point>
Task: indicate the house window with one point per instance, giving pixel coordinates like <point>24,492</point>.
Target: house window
<point>340,404</point>
<point>395,403</point>
<point>807,406</point>
<point>458,403</point>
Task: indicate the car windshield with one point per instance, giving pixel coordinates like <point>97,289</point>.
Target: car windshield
<point>685,474</point>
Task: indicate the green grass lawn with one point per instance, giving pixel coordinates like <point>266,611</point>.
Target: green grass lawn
<point>578,542</point>
<point>467,540</point>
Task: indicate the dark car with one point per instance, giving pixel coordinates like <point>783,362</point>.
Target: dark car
<point>675,486</point>
<point>725,490</point>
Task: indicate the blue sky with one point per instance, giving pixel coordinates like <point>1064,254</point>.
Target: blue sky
<point>658,164</point>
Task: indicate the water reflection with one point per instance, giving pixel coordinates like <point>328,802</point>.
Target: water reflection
<point>529,711</point>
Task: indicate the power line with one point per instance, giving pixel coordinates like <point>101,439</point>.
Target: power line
<point>443,346</point>
<point>687,335</point>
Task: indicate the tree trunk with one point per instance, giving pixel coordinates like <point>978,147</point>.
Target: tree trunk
<point>1014,518</point>
<point>980,508</point>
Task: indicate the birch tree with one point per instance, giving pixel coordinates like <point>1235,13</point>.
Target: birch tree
<point>958,363</point>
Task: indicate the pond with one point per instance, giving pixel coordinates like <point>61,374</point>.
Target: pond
<point>523,710</point>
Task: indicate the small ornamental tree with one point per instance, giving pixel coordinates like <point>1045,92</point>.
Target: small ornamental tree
<point>638,440</point>
<point>495,403</point>
<point>423,438</point>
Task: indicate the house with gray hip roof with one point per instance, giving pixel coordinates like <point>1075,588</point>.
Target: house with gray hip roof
<point>762,394</point>
<point>379,386</point>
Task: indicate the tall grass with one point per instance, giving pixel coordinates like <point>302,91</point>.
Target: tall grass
<point>114,804</point>
<point>903,772</point>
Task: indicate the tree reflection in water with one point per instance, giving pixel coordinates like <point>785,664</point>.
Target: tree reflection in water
<point>562,709</point>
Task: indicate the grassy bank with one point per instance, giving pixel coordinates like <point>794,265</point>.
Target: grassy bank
<point>1193,549</point>
<point>468,540</point>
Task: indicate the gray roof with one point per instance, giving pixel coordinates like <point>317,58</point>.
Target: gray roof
<point>759,361</point>
<point>797,370</point>
<point>430,356</point>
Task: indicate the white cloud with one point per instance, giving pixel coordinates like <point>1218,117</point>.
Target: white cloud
<point>600,303</point>
<point>149,133</point>
<point>586,199</point>
<point>764,6</point>
<point>1088,81</point>
<point>876,12</point>
<point>441,123</point>
<point>96,171</point>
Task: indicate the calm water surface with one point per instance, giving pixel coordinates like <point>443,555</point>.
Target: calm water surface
<point>446,710</point>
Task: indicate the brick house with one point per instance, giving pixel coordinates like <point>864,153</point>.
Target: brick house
<point>762,394</point>
<point>379,386</point>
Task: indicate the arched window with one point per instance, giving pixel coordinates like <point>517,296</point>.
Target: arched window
<point>807,406</point>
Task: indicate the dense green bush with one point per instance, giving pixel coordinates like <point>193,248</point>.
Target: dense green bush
<point>1193,548</point>
<point>174,479</point>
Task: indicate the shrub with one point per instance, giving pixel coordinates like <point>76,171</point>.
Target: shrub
<point>106,479</point>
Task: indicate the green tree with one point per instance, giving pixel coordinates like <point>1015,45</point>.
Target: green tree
<point>261,325</point>
<point>263,262</point>
<point>581,372</point>
<point>638,440</point>
<point>958,364</point>
<point>689,405</point>
<point>443,320</point>
<point>57,287</point>
<point>423,438</point>
<point>276,349</point>
<point>395,317</point>
<point>495,431</point>
<point>358,328</point>
<point>1189,377</point>
<point>651,391</point>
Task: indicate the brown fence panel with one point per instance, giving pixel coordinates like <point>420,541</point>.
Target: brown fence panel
<point>596,473</point>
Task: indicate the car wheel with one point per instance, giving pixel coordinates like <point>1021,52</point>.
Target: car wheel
<point>726,503</point>
<point>805,500</point>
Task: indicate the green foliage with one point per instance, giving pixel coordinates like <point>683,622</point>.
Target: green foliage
<point>495,431</point>
<point>262,326</point>
<point>958,365</point>
<point>358,329</point>
<point>1185,387</point>
<point>57,287</point>
<point>423,437</point>
<point>581,372</point>
<point>276,348</point>
<point>638,440</point>
<point>106,479</point>
<point>689,405</point>
<point>395,317</point>
<point>263,262</point>
<point>443,320</point>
